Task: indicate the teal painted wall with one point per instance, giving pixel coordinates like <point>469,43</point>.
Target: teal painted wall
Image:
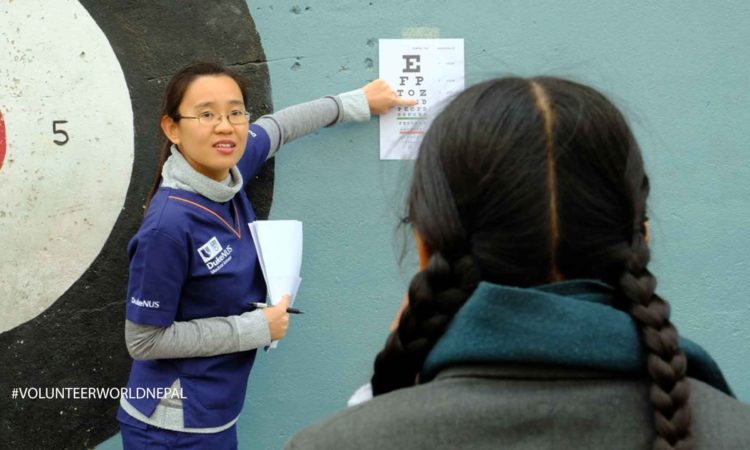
<point>679,71</point>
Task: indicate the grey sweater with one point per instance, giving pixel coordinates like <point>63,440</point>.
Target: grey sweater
<point>523,407</point>
<point>219,335</point>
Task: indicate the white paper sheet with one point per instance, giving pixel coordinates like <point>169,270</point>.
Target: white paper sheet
<point>428,70</point>
<point>278,244</point>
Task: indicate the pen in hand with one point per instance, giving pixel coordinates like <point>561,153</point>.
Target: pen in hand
<point>264,305</point>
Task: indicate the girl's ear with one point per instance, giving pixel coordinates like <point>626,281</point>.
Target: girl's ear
<point>169,127</point>
<point>423,250</point>
<point>646,232</point>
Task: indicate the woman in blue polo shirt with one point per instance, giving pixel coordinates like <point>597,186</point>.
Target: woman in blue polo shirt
<point>193,266</point>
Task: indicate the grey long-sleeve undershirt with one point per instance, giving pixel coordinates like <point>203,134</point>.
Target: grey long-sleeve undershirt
<point>199,337</point>
<point>290,123</point>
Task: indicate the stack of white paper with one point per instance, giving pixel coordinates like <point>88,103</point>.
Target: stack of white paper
<point>279,247</point>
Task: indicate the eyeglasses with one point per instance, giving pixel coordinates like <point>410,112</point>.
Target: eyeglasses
<point>235,117</point>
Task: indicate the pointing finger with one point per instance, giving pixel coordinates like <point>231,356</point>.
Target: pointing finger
<point>405,101</point>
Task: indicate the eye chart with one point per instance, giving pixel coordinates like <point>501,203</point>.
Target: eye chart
<point>428,70</point>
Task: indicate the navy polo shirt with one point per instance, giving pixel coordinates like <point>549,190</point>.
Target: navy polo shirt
<point>194,258</point>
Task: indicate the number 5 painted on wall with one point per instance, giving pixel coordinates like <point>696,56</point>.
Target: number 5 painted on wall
<point>55,130</point>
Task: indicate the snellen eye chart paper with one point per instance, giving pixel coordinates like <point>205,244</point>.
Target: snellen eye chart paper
<point>430,71</point>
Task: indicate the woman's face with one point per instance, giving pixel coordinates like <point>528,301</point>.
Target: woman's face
<point>211,147</point>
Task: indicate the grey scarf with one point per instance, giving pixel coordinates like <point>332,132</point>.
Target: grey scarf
<point>179,174</point>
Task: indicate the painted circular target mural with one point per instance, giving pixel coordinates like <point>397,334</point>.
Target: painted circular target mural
<point>80,87</point>
<point>69,148</point>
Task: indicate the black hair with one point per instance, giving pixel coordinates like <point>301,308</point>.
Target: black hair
<point>525,182</point>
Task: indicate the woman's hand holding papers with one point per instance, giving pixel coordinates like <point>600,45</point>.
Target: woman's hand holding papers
<point>278,318</point>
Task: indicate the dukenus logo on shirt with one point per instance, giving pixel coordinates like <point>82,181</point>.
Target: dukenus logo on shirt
<point>144,303</point>
<point>214,255</point>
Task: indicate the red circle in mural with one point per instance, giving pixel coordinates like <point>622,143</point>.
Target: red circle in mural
<point>2,140</point>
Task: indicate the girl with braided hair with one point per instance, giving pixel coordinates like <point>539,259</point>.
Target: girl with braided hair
<point>534,320</point>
